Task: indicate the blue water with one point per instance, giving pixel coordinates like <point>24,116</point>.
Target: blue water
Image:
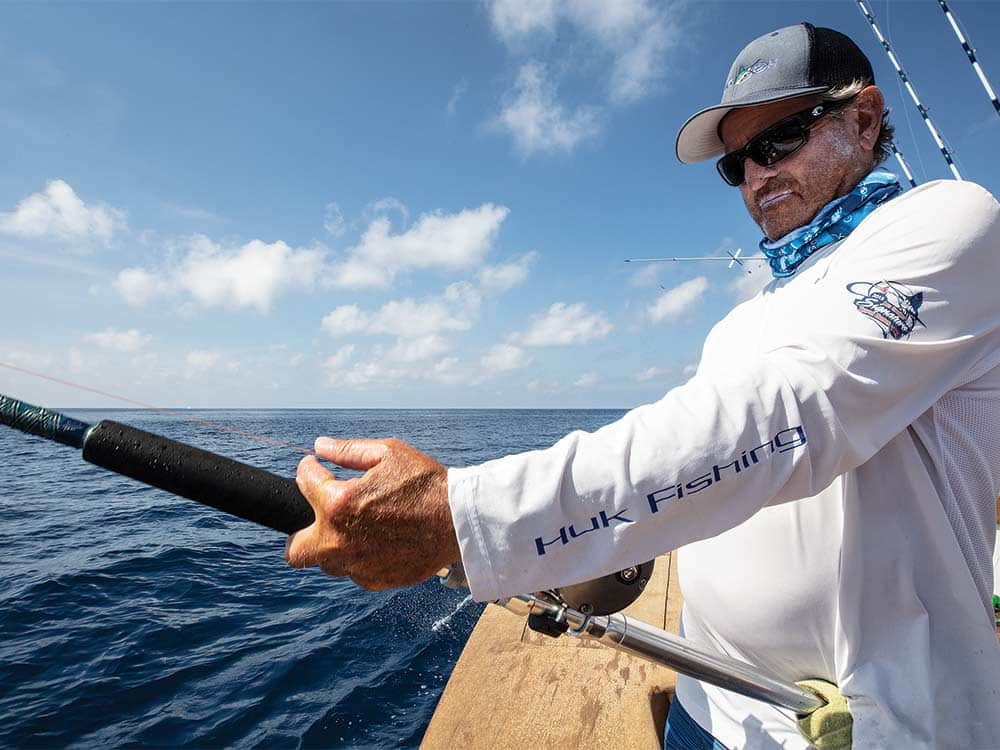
<point>129,617</point>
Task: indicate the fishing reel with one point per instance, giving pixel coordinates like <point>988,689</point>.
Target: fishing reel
<point>600,596</point>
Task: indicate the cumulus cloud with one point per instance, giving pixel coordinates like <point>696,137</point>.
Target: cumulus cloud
<point>504,357</point>
<point>564,324</point>
<point>675,302</point>
<point>339,358</point>
<point>587,380</point>
<point>59,213</point>
<point>453,310</point>
<point>123,341</point>
<point>436,240</point>
<point>252,275</point>
<point>419,349</point>
<point>507,275</point>
<point>537,121</point>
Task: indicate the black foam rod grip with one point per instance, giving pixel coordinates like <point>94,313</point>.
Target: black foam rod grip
<point>227,485</point>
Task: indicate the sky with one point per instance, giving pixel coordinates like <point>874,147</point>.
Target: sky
<point>399,205</point>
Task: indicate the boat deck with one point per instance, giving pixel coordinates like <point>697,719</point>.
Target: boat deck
<point>513,687</point>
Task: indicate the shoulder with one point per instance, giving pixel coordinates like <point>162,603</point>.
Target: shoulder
<point>936,206</point>
<point>933,224</point>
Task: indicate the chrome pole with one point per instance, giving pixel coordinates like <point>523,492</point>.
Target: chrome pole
<point>636,637</point>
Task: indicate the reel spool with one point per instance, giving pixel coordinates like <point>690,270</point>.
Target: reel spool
<point>608,594</point>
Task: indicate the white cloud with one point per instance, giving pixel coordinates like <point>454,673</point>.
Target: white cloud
<point>339,358</point>
<point>648,374</point>
<point>537,121</point>
<point>587,380</point>
<point>674,302</point>
<point>453,310</point>
<point>333,220</point>
<point>59,213</point>
<point>385,207</point>
<point>253,275</point>
<point>565,324</point>
<point>345,320</point>
<point>436,240</point>
<point>748,284</point>
<point>515,18</point>
<point>420,349</point>
<point>626,43</point>
<point>123,341</point>
<point>504,357</point>
<point>460,89</point>
<point>138,286</point>
<point>647,275</point>
<point>199,362</point>
<point>507,275</point>
<point>690,369</point>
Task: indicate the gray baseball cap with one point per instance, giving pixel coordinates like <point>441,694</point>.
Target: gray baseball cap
<point>783,64</point>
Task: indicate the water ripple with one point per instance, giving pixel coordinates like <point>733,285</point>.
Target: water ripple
<point>131,618</point>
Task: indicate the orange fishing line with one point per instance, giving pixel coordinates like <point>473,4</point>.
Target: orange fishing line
<point>179,415</point>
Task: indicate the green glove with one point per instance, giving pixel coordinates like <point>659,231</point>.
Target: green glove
<point>829,726</point>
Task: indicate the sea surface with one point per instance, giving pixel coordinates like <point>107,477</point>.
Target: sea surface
<point>133,618</point>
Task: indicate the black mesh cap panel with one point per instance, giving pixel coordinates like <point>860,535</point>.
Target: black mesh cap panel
<point>836,59</point>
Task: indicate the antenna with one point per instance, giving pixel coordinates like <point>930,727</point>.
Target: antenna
<point>909,87</point>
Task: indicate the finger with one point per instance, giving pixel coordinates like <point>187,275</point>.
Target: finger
<point>302,548</point>
<point>361,454</point>
<point>317,484</point>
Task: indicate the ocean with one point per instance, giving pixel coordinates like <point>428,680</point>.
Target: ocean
<point>130,617</point>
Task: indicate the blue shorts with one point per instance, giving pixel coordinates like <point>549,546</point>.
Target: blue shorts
<point>684,733</point>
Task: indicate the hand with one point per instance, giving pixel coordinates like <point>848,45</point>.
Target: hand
<point>828,727</point>
<point>391,527</point>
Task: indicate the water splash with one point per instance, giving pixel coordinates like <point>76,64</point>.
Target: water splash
<point>438,624</point>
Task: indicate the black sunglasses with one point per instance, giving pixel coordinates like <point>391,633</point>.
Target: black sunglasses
<point>782,139</point>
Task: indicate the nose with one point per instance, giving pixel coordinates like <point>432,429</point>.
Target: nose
<point>754,175</point>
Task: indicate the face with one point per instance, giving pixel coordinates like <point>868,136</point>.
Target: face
<point>789,193</point>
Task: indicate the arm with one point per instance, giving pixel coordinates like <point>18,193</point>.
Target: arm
<point>824,389</point>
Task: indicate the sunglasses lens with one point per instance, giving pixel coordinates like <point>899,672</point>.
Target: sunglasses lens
<point>774,146</point>
<point>730,168</point>
<point>766,149</point>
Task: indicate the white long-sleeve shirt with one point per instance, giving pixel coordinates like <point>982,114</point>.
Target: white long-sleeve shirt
<point>830,472</point>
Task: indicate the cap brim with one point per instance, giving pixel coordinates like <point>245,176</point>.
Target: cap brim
<point>698,139</point>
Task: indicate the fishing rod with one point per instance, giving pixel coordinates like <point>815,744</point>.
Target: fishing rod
<point>586,610</point>
<point>970,52</point>
<point>870,17</point>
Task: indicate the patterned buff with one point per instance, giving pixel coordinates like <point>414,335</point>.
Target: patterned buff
<point>836,220</point>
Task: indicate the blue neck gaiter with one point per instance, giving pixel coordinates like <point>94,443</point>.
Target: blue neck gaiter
<point>834,222</point>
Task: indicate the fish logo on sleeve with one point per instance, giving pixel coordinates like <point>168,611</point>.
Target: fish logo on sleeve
<point>893,306</point>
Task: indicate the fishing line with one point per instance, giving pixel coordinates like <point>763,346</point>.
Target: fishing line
<point>161,410</point>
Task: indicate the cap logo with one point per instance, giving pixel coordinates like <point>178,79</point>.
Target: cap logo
<point>745,71</point>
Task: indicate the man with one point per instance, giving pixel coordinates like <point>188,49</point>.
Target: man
<point>829,472</point>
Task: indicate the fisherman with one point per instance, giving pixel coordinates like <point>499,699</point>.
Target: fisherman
<point>828,474</point>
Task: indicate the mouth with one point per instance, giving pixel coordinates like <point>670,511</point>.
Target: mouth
<point>773,199</point>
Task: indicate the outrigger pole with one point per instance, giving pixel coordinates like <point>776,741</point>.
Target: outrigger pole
<point>909,87</point>
<point>269,500</point>
<point>970,52</point>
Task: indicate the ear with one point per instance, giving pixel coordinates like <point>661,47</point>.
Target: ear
<point>870,105</point>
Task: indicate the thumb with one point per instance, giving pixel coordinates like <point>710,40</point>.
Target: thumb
<point>360,454</point>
